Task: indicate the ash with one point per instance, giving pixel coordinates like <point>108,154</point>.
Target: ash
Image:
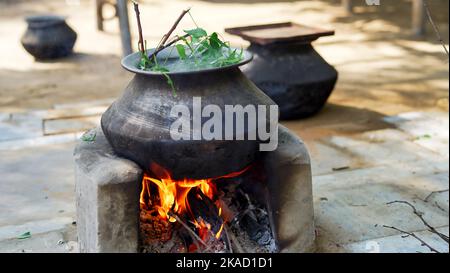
<point>245,217</point>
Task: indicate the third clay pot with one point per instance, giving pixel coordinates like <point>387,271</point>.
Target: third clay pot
<point>294,75</point>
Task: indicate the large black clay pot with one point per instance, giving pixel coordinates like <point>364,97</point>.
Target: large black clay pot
<point>48,37</point>
<point>294,75</point>
<point>137,125</point>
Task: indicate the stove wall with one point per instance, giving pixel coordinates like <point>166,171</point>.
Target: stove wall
<point>107,196</point>
<point>108,186</point>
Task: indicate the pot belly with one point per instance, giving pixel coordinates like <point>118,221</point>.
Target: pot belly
<point>195,159</point>
<point>295,76</point>
<point>138,124</point>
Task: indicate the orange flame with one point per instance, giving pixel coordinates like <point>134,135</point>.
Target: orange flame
<point>172,195</point>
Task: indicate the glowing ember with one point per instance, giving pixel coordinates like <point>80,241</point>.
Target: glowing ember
<point>171,197</point>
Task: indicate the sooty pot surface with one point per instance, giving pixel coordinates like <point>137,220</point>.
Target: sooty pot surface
<point>138,124</point>
<point>48,37</point>
<point>294,75</point>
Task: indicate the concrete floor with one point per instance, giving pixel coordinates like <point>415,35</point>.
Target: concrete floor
<point>382,137</point>
<point>355,177</point>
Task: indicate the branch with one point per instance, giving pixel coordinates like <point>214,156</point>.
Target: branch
<point>433,193</point>
<point>415,236</point>
<point>161,48</point>
<point>234,241</point>
<point>416,212</point>
<point>435,28</point>
<point>166,36</point>
<point>138,18</point>
<point>227,235</point>
<point>188,228</point>
<point>439,207</point>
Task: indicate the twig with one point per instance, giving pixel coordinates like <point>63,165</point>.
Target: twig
<point>174,26</point>
<point>167,35</point>
<point>188,229</point>
<point>234,241</point>
<point>416,212</point>
<point>250,204</point>
<point>249,210</point>
<point>433,193</point>
<point>228,238</point>
<point>435,28</point>
<point>439,207</point>
<point>414,236</point>
<point>161,48</point>
<point>138,18</point>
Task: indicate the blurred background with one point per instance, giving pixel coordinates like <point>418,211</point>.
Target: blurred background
<point>373,48</point>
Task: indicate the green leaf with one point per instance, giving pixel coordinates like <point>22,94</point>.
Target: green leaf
<point>197,50</point>
<point>170,83</point>
<point>181,51</point>
<point>25,235</point>
<point>160,69</point>
<point>204,46</point>
<point>197,33</point>
<point>214,41</point>
<point>426,136</point>
<point>188,44</point>
<point>89,136</point>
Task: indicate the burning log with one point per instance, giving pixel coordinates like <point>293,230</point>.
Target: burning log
<point>204,211</point>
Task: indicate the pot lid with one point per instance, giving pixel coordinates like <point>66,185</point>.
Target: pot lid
<point>279,32</point>
<point>44,20</point>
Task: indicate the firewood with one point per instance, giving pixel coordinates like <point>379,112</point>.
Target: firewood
<point>204,209</point>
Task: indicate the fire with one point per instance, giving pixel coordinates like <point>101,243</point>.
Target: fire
<point>171,197</point>
<point>172,194</point>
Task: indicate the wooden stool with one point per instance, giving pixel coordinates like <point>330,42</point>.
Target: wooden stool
<point>121,11</point>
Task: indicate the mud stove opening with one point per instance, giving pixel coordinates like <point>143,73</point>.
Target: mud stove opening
<point>229,213</point>
<point>264,207</point>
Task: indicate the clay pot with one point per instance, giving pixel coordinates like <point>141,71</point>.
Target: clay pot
<point>294,75</point>
<point>137,124</point>
<point>48,37</point>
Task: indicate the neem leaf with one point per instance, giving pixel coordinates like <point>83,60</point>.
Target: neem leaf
<point>196,32</point>
<point>89,136</point>
<point>214,41</point>
<point>188,44</point>
<point>181,51</point>
<point>25,235</point>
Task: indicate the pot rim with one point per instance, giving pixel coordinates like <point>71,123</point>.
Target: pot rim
<point>44,20</point>
<point>130,62</point>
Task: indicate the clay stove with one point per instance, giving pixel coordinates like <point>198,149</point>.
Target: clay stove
<point>139,190</point>
<point>108,190</point>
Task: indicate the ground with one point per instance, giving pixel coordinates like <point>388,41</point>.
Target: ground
<point>382,137</point>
